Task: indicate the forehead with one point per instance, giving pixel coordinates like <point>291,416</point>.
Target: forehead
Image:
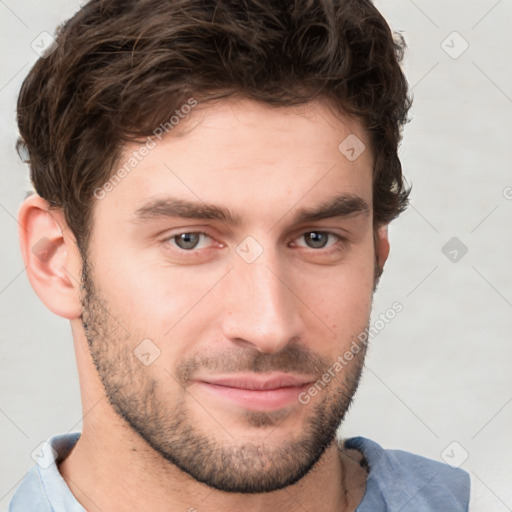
<point>249,158</point>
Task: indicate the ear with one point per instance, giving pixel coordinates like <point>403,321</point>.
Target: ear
<point>382,247</point>
<point>52,260</point>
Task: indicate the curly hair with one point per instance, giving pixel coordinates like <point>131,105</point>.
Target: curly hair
<point>122,67</point>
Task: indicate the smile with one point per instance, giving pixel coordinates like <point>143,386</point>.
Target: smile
<point>256,392</point>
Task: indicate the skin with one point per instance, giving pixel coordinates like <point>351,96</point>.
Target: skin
<point>209,312</point>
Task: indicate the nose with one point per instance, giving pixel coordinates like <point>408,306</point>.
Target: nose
<point>262,308</point>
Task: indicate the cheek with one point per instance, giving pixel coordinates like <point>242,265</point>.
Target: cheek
<point>175,308</point>
<point>345,309</point>
<point>340,295</point>
<point>167,303</point>
<point>148,292</point>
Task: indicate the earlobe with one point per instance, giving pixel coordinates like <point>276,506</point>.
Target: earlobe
<point>52,260</point>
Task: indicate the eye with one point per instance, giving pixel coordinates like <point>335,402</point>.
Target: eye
<point>319,239</point>
<point>189,240</point>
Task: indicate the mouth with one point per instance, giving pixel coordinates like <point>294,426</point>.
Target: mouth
<point>268,392</point>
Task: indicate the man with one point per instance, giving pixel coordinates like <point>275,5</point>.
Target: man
<point>214,183</point>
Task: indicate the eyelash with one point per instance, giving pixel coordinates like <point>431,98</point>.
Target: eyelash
<point>172,237</point>
<point>336,247</point>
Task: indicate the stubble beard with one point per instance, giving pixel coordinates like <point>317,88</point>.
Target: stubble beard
<point>139,398</point>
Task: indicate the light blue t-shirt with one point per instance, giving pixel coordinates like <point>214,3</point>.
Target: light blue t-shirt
<point>397,481</point>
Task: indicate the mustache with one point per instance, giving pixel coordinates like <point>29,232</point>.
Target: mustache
<point>292,359</point>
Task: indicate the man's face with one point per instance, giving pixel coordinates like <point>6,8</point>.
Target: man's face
<point>206,323</point>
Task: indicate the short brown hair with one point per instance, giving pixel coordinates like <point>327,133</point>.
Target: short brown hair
<point>122,67</point>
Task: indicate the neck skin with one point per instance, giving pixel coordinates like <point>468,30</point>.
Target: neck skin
<point>111,468</point>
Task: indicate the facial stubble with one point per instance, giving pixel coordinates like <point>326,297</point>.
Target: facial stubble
<point>140,398</point>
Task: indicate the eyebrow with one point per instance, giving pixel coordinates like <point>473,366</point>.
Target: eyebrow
<point>345,205</point>
<point>175,207</point>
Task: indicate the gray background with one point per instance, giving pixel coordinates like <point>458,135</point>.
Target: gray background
<point>440,371</point>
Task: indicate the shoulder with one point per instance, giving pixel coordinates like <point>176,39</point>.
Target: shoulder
<point>30,494</point>
<point>43,488</point>
<point>399,480</point>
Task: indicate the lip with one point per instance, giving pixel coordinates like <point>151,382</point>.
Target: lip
<point>256,392</point>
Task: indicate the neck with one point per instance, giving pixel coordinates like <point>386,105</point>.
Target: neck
<point>113,469</point>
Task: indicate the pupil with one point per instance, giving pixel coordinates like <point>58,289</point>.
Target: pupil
<point>316,239</point>
<point>187,240</point>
